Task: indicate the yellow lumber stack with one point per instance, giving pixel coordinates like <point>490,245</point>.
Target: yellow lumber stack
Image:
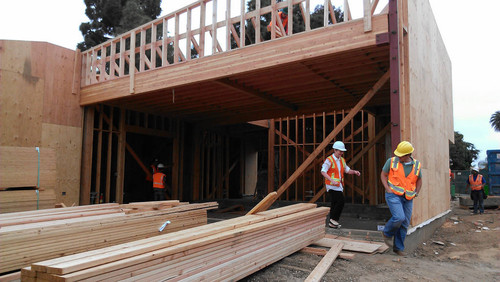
<point>226,250</point>
<point>26,200</point>
<point>60,232</point>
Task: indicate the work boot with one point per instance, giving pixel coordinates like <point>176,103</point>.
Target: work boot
<point>399,253</point>
<point>387,240</point>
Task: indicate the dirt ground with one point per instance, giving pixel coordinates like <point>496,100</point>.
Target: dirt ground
<point>465,248</point>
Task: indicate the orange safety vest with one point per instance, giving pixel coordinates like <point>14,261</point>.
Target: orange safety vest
<point>401,184</point>
<point>476,185</point>
<point>159,180</point>
<point>333,172</point>
<point>284,21</point>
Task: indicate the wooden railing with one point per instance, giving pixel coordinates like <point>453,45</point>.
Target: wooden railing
<point>197,30</point>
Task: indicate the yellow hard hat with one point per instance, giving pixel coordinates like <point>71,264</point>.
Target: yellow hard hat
<point>404,148</point>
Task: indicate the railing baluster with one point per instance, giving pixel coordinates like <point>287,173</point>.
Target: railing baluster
<point>367,15</point>
<point>203,11</point>
<point>257,22</point>
<point>242,24</point>
<point>122,57</point>
<point>131,66</point>
<point>308,15</point>
<point>164,43</point>
<point>176,40</point>
<point>188,35</point>
<point>228,23</point>
<point>214,27</point>
<point>112,60</point>
<point>153,46</point>
<point>142,51</point>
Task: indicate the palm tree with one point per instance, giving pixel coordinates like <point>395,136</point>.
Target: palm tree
<point>495,121</point>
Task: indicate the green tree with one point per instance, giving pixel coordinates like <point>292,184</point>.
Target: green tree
<point>495,121</point>
<point>462,153</point>
<point>109,18</point>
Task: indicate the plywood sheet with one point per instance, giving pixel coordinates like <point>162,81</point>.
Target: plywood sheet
<point>67,142</point>
<point>430,109</point>
<point>21,101</point>
<point>22,166</point>
<point>60,105</point>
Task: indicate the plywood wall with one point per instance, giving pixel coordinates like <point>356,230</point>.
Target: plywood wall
<point>428,109</point>
<point>38,109</point>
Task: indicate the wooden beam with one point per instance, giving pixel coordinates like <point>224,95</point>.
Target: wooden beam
<point>334,133</point>
<point>248,90</point>
<point>325,263</point>
<point>86,171</point>
<point>264,204</point>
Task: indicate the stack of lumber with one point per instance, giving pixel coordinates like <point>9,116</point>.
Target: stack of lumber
<point>226,250</point>
<point>26,167</point>
<point>26,200</point>
<point>28,237</point>
<point>150,206</point>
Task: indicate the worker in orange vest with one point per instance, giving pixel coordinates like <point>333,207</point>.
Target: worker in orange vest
<point>333,171</point>
<point>159,183</point>
<point>283,16</point>
<point>402,180</point>
<point>476,183</point>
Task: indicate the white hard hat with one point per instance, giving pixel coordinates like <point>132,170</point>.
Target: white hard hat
<point>339,146</point>
<point>475,168</point>
<point>161,166</point>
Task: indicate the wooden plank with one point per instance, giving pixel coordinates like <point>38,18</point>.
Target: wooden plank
<point>349,245</point>
<point>323,252</point>
<point>265,203</point>
<point>325,263</point>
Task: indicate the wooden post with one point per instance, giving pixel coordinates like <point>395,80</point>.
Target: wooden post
<point>120,158</point>
<point>131,66</point>
<point>394,70</point>
<point>175,160</point>
<point>270,156</point>
<point>77,72</point>
<point>86,169</point>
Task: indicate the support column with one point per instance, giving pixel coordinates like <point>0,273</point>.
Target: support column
<point>394,69</point>
<point>86,171</point>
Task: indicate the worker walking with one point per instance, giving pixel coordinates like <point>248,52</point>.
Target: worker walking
<point>402,180</point>
<point>333,171</point>
<point>476,183</point>
<point>159,183</point>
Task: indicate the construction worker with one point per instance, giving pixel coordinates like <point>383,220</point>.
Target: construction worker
<point>476,183</point>
<point>333,171</point>
<point>402,180</point>
<point>159,183</point>
<point>283,16</point>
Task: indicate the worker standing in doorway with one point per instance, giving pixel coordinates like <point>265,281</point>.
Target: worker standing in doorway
<point>159,183</point>
<point>333,171</point>
<point>476,183</point>
<point>402,180</point>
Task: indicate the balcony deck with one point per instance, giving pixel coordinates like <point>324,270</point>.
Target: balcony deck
<point>324,69</point>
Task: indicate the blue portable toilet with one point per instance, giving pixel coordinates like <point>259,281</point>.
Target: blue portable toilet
<point>493,157</point>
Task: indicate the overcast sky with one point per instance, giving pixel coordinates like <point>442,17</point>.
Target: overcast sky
<point>469,30</point>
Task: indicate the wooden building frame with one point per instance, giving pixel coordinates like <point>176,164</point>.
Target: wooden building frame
<point>203,72</point>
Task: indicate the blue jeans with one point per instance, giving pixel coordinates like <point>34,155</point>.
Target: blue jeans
<point>397,226</point>
<point>477,197</point>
